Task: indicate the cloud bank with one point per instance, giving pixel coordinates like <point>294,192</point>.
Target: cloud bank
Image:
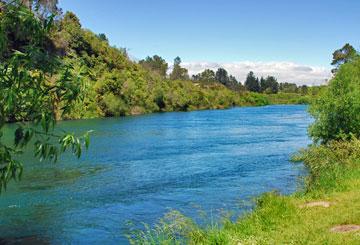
<point>283,71</point>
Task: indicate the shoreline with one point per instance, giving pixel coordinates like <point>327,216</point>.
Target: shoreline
<point>323,212</point>
<point>181,111</point>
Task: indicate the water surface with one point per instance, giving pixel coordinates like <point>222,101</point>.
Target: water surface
<point>138,168</point>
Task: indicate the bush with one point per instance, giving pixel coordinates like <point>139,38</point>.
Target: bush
<point>256,99</point>
<point>114,106</point>
<point>337,111</point>
<point>327,164</point>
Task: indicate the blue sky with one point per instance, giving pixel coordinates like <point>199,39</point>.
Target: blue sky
<point>225,31</point>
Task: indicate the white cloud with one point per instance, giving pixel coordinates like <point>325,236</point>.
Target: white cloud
<point>283,71</point>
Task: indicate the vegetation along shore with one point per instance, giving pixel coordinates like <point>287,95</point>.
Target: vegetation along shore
<point>112,84</point>
<point>325,209</point>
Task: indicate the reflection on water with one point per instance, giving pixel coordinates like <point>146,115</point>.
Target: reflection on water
<point>140,167</point>
<point>29,240</point>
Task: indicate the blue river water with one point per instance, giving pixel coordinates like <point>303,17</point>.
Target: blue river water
<point>139,168</point>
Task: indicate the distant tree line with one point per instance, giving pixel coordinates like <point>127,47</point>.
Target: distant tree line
<point>270,85</point>
<point>267,85</point>
<point>220,76</point>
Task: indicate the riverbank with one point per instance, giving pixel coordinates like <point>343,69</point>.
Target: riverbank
<point>325,211</point>
<point>232,100</point>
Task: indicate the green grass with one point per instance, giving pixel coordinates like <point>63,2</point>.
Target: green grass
<point>334,176</point>
<point>289,98</point>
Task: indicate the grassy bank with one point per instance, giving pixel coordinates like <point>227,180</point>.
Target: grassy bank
<point>330,198</point>
<point>289,98</point>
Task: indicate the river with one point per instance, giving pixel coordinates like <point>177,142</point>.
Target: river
<point>138,168</point>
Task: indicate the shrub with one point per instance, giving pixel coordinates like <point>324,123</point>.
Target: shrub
<point>329,163</point>
<point>337,111</point>
<point>114,106</point>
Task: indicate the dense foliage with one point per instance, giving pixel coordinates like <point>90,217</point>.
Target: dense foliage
<point>220,76</point>
<point>114,85</point>
<point>155,64</point>
<point>117,86</point>
<point>342,56</point>
<point>178,72</point>
<point>329,162</point>
<point>252,83</point>
<point>35,86</point>
<point>337,111</point>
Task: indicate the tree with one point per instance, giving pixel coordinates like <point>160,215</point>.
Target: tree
<point>263,85</point>
<point>252,83</point>
<point>17,33</point>
<point>272,85</point>
<point>177,61</point>
<point>155,64</point>
<point>269,85</point>
<point>205,76</point>
<point>304,89</point>
<point>337,111</point>
<point>70,36</point>
<point>234,84</point>
<point>43,8</point>
<point>178,72</point>
<point>35,86</point>
<point>288,87</point>
<point>103,37</point>
<point>222,76</point>
<point>343,56</point>
<point>70,21</point>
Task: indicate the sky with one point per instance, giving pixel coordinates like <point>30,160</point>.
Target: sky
<point>293,40</point>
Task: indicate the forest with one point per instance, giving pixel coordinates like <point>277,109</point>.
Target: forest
<point>111,84</point>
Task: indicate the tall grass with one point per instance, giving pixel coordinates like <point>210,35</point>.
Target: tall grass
<point>329,165</point>
<point>289,98</point>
